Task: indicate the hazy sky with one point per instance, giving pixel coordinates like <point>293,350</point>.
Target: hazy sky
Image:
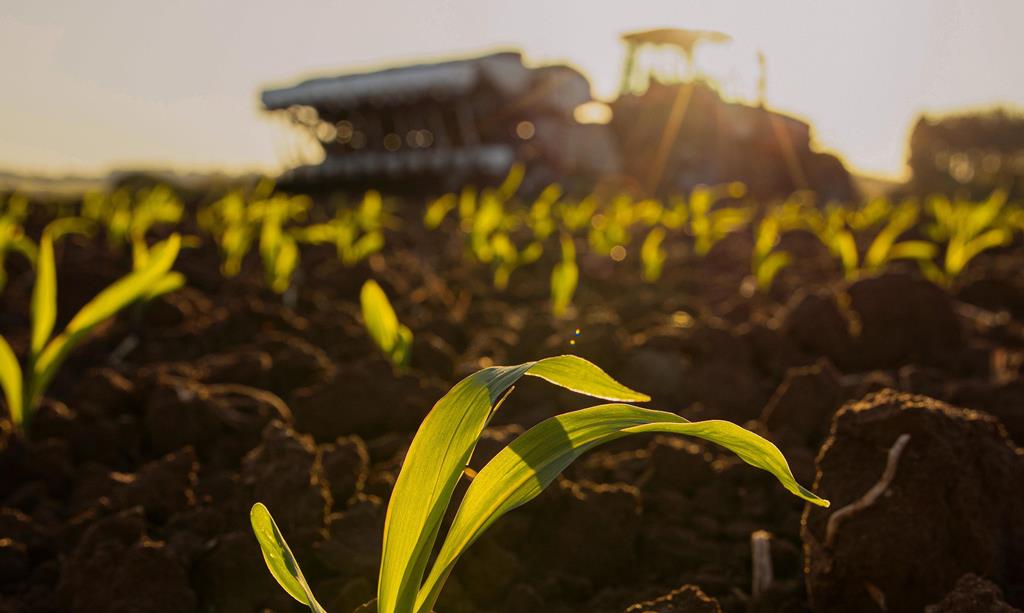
<point>85,86</point>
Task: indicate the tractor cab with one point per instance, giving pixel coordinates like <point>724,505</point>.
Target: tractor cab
<point>691,111</point>
<point>669,56</point>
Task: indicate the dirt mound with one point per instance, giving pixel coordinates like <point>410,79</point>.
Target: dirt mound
<point>953,505</point>
<point>973,594</point>
<point>884,321</point>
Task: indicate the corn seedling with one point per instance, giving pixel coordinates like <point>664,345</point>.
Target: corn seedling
<point>411,576</point>
<point>968,229</point>
<point>541,217</point>
<point>127,217</point>
<point>24,387</point>
<point>872,213</point>
<point>886,246</point>
<point>438,209</point>
<point>229,224</point>
<point>675,214</point>
<point>237,219</point>
<point>507,257</point>
<point>611,228</point>
<point>488,217</point>
<point>652,254</point>
<point>766,261</point>
<point>708,225</point>
<point>142,255</point>
<point>393,338</point>
<point>564,278</point>
<point>352,241</point>
<point>574,216</point>
<point>833,230</point>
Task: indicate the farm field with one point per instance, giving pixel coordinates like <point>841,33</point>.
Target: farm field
<point>260,346</point>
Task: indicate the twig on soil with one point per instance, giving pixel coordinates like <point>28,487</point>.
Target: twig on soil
<point>761,558</point>
<point>871,495</point>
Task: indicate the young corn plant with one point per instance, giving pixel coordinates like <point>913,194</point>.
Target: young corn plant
<point>392,337</point>
<point>279,251</point>
<point>652,254</point>
<point>506,257</point>
<point>887,247</point>
<point>710,226</point>
<point>438,209</point>
<point>564,278</point>
<point>766,261</point>
<point>228,222</point>
<point>24,386</point>
<point>968,229</point>
<point>142,255</point>
<point>541,218</point>
<point>239,218</point>
<point>411,575</point>
<point>611,228</point>
<point>127,217</point>
<point>833,230</point>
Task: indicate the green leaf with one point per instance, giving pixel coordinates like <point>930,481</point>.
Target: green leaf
<point>652,255</point>
<point>770,267</point>
<point>913,250</point>
<point>367,245</point>
<point>381,322</point>
<point>171,282</point>
<point>279,557</point>
<point>438,210</point>
<point>530,463</point>
<point>286,260</point>
<point>846,249</point>
<point>441,450</point>
<point>11,380</point>
<point>512,181</point>
<point>990,239</point>
<point>44,296</point>
<point>579,375</point>
<point>44,293</point>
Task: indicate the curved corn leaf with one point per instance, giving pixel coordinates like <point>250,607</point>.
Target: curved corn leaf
<point>44,293</point>
<point>913,250</point>
<point>579,375</point>
<point>11,380</point>
<point>394,339</point>
<point>769,267</point>
<point>530,463</point>
<point>960,252</point>
<point>44,296</point>
<point>171,282</point>
<point>286,260</point>
<point>108,302</point>
<point>279,558</point>
<point>440,451</point>
<point>652,255</point>
<point>438,210</point>
<point>846,248</point>
<point>367,245</point>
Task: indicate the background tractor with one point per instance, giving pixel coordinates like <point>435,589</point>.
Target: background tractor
<point>434,127</point>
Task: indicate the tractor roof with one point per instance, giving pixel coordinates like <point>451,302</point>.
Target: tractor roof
<point>685,39</point>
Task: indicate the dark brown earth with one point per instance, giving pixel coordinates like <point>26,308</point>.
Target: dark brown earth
<point>132,491</point>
